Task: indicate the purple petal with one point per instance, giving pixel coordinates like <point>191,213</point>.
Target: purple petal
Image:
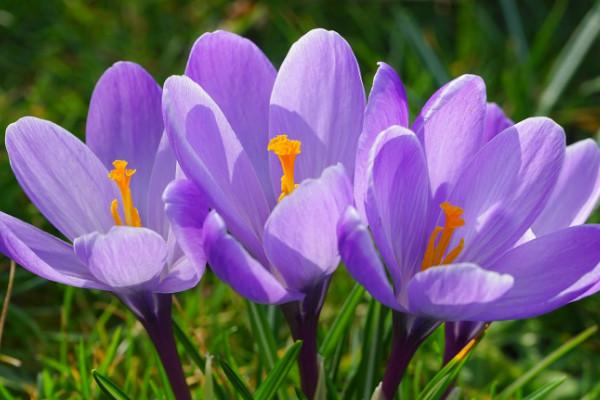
<point>212,157</point>
<point>397,202</point>
<point>455,292</point>
<point>125,123</point>
<point>239,78</point>
<point>387,106</point>
<point>300,234</point>
<point>506,186</point>
<point>125,257</point>
<point>234,266</point>
<point>361,259</point>
<point>576,191</point>
<point>43,254</point>
<point>495,122</point>
<point>549,272</point>
<point>61,176</point>
<point>182,275</point>
<point>450,127</point>
<point>186,208</point>
<point>318,99</point>
<point>163,172</point>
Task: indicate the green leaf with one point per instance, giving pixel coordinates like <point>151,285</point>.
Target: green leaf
<point>436,388</point>
<point>546,361</point>
<point>299,394</point>
<point>570,59</point>
<point>340,324</point>
<point>108,387</point>
<point>262,333</point>
<point>545,390</point>
<point>237,382</point>
<point>208,393</point>
<point>189,347</point>
<point>278,373</point>
<point>112,349</point>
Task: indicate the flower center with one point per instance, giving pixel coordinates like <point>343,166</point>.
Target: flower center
<point>286,150</point>
<point>434,255</point>
<point>122,177</point>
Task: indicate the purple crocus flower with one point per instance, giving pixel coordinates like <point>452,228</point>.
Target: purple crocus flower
<point>572,201</point>
<point>118,237</point>
<point>237,128</point>
<point>446,210</point>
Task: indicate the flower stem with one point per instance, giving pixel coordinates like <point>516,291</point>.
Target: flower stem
<point>154,312</point>
<point>409,333</point>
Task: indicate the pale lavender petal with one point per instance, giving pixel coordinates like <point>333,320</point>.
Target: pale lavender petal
<point>212,157</point>
<point>239,78</point>
<point>182,275</point>
<point>126,258</point>
<point>450,127</point>
<point>397,202</point>
<point>300,234</point>
<point>455,292</point>
<point>361,259</point>
<point>234,266</point>
<point>576,192</point>
<point>43,254</point>
<point>506,187</point>
<point>61,176</point>
<point>186,208</point>
<point>387,106</point>
<point>495,122</point>
<point>318,99</point>
<point>163,172</point>
<point>125,123</point>
<point>549,272</point>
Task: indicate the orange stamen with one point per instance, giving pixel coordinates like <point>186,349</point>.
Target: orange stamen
<point>434,254</point>
<point>122,177</point>
<point>286,150</point>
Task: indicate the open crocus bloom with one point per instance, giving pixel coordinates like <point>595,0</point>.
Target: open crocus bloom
<point>105,198</point>
<point>447,211</point>
<point>237,128</point>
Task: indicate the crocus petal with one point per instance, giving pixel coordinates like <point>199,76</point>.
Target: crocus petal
<point>361,259</point>
<point>182,275</point>
<point>61,176</point>
<point>163,172</point>
<point>125,257</point>
<point>234,266</point>
<point>43,254</point>
<point>239,78</point>
<point>387,106</point>
<point>506,186</point>
<point>397,202</point>
<point>549,272</point>
<point>495,122</point>
<point>125,123</point>
<point>576,191</point>
<point>455,292</point>
<point>211,156</point>
<point>186,208</point>
<point>450,127</point>
<point>300,234</point>
<point>318,99</point>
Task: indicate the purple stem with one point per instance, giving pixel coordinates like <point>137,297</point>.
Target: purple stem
<point>409,333</point>
<point>303,317</point>
<point>154,312</point>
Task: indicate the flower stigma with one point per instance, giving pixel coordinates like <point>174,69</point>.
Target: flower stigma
<point>286,150</point>
<point>122,177</point>
<point>434,254</point>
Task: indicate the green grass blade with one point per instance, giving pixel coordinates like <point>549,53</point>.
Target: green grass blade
<point>299,394</point>
<point>515,28</point>
<point>188,346</point>
<point>415,39</point>
<point>262,333</point>
<point>278,373</point>
<point>108,387</point>
<point>112,350</point>
<point>570,59</point>
<point>237,382</point>
<point>546,361</point>
<point>83,371</point>
<point>5,394</point>
<point>341,322</point>
<point>208,392</point>
<point>545,390</point>
<point>164,379</point>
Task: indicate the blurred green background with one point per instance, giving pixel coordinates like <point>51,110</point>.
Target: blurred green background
<point>536,57</point>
